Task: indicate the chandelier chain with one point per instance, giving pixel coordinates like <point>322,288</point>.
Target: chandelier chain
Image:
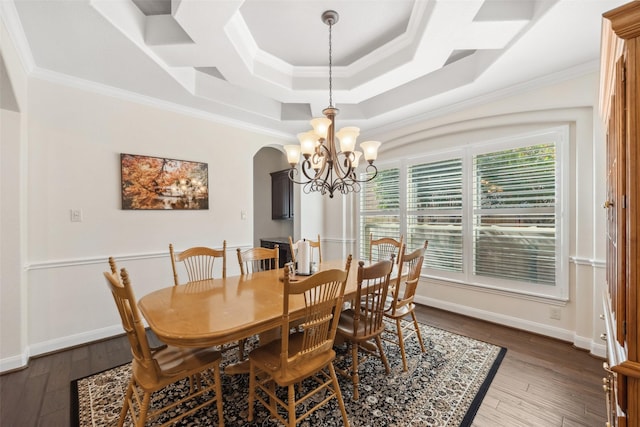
<point>330,67</point>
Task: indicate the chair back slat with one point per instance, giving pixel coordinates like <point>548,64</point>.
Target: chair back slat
<point>323,294</point>
<point>373,286</point>
<point>382,249</point>
<point>409,269</point>
<point>131,320</point>
<point>199,262</point>
<point>258,259</point>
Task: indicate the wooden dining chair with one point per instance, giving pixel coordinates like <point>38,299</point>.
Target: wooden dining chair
<point>364,320</point>
<point>306,353</point>
<point>382,248</point>
<point>153,370</point>
<point>400,303</point>
<point>199,262</point>
<point>316,249</point>
<point>258,259</point>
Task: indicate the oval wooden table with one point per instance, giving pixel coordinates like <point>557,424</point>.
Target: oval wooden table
<point>219,311</point>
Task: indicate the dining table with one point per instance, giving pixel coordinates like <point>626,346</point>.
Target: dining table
<point>223,310</point>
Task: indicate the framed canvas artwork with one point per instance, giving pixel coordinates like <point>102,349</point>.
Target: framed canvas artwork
<point>159,183</point>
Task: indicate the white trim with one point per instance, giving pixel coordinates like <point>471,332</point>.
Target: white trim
<point>58,344</point>
<point>14,362</point>
<point>338,240</point>
<point>72,262</point>
<point>9,15</point>
<point>444,110</point>
<point>74,340</point>
<point>101,89</point>
<point>586,343</point>
<point>595,263</point>
<point>513,322</point>
<point>501,319</point>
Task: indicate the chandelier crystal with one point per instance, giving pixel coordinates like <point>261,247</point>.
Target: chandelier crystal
<point>325,168</point>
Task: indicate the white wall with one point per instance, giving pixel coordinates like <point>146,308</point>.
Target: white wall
<point>13,187</point>
<point>573,103</point>
<point>74,139</point>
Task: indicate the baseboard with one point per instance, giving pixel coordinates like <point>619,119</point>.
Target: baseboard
<point>21,361</point>
<point>13,363</point>
<point>513,322</point>
<point>74,340</point>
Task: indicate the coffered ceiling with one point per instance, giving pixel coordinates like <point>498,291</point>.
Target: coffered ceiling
<point>263,64</point>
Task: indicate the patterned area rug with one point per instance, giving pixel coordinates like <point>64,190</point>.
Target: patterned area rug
<point>443,387</point>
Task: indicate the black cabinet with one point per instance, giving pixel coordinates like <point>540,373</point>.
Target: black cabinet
<point>284,255</point>
<point>281,195</point>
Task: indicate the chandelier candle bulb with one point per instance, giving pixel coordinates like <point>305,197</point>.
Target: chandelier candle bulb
<point>293,154</point>
<point>308,141</point>
<point>321,126</point>
<point>347,137</point>
<point>370,149</point>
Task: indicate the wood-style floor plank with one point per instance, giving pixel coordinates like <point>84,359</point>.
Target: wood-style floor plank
<point>542,382</point>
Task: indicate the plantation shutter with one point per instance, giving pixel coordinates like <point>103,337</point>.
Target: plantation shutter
<point>514,214</point>
<point>380,208</point>
<point>434,212</point>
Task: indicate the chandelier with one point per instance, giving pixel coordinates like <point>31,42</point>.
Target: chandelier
<point>325,168</point>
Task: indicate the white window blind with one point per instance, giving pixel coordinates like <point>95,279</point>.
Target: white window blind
<point>380,208</point>
<point>494,212</point>
<point>514,214</point>
<point>434,212</point>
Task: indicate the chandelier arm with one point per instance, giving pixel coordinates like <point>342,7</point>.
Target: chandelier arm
<point>345,171</point>
<point>372,172</point>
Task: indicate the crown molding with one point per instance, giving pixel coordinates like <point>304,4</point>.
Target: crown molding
<point>102,89</point>
<point>439,111</point>
<point>11,21</point>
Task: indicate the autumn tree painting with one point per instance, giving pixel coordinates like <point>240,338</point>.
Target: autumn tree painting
<point>157,183</point>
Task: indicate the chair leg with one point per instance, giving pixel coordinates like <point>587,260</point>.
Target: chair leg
<point>241,349</point>
<point>252,389</point>
<point>354,370</point>
<point>125,405</point>
<point>292,406</point>
<point>336,389</point>
<point>216,378</point>
<point>382,355</point>
<point>272,392</point>
<point>146,401</point>
<point>401,344</point>
<point>417,326</point>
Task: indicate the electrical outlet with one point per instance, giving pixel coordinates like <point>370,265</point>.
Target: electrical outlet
<point>76,215</point>
<point>243,214</point>
<point>555,313</point>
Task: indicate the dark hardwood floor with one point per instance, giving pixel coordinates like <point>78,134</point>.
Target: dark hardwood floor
<point>541,382</point>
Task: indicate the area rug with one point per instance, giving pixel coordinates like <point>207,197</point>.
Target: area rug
<point>444,386</point>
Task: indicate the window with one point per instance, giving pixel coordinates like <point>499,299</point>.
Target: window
<point>514,226</point>
<point>491,212</point>
<point>380,208</point>
<point>434,212</point>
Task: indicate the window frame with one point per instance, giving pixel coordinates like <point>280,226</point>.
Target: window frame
<point>467,151</point>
